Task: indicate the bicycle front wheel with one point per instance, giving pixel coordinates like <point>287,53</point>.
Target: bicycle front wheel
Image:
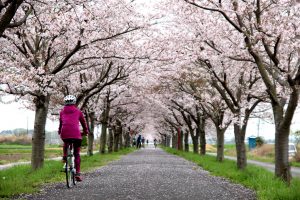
<point>73,177</point>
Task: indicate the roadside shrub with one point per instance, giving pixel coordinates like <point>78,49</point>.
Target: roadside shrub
<point>260,141</point>
<point>265,150</point>
<point>12,139</point>
<point>210,148</point>
<point>297,157</point>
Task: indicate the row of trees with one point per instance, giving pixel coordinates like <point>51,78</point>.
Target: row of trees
<point>240,57</point>
<point>69,47</point>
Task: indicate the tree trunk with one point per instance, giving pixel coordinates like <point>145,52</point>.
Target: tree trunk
<point>201,128</point>
<point>180,135</point>
<point>104,123</point>
<point>110,140</point>
<point>116,141</point>
<point>240,147</point>
<point>196,145</point>
<point>117,135</point>
<point>282,167</point>
<point>121,138</point>
<point>179,139</point>
<point>163,139</point>
<point>174,141</point>
<point>195,139</point>
<point>127,138</point>
<point>168,138</point>
<point>282,130</point>
<point>38,137</point>
<point>103,138</point>
<point>186,141</point>
<point>91,135</point>
<point>220,144</point>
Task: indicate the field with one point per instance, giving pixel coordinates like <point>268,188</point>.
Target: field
<point>21,153</point>
<point>18,149</point>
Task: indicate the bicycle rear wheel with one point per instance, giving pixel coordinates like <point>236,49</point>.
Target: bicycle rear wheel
<point>68,172</point>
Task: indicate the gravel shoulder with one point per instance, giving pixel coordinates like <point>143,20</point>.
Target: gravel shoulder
<point>148,174</point>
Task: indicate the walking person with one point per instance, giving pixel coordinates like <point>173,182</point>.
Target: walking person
<point>133,141</point>
<point>143,142</point>
<point>69,118</point>
<point>155,142</point>
<point>138,141</point>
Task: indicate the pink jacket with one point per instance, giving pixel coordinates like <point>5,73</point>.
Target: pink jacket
<point>69,119</point>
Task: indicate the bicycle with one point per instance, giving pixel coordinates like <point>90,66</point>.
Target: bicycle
<point>69,166</point>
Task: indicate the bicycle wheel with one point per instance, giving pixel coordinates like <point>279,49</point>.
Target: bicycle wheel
<point>73,172</point>
<point>68,172</point>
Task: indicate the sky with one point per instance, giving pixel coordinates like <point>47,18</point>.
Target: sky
<point>13,116</point>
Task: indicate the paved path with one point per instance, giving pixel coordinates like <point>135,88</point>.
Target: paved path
<point>148,174</point>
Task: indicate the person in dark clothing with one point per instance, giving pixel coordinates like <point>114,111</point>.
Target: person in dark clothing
<point>138,141</point>
<point>143,142</point>
<point>133,141</point>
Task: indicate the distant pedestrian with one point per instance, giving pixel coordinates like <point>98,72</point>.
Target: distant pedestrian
<point>147,141</point>
<point>155,142</point>
<point>133,141</point>
<point>143,142</point>
<point>138,141</point>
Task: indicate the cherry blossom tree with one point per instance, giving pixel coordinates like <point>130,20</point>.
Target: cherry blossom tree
<point>269,32</point>
<point>211,104</point>
<point>53,43</point>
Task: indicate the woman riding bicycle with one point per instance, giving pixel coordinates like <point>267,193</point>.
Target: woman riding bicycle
<point>69,130</point>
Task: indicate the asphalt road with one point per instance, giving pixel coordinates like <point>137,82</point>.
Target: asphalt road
<point>148,174</point>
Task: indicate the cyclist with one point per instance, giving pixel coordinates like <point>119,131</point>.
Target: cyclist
<point>69,131</point>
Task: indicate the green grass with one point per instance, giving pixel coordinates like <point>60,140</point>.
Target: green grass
<point>262,181</point>
<point>295,164</point>
<point>21,179</point>
<point>261,158</point>
<point>14,146</point>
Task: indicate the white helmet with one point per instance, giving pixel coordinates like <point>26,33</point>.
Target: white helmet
<point>70,100</point>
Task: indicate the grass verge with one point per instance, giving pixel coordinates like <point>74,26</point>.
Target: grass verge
<point>21,179</point>
<point>267,187</point>
<point>264,153</point>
